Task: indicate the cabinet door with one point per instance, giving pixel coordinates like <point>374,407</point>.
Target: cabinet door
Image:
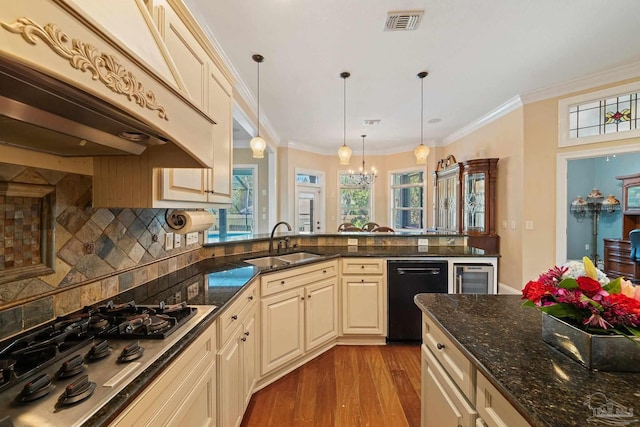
<point>249,358</point>
<point>221,108</point>
<point>442,402</point>
<point>362,305</point>
<point>199,407</point>
<point>321,314</point>
<point>282,317</point>
<point>188,184</point>
<point>230,371</point>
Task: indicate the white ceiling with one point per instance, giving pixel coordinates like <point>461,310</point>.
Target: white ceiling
<point>479,55</point>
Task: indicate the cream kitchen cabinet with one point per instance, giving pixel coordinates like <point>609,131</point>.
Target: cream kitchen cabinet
<point>298,313</point>
<point>363,284</point>
<point>454,392</point>
<point>237,358</point>
<point>183,394</point>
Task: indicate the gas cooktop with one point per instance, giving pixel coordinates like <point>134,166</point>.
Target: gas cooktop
<point>62,373</point>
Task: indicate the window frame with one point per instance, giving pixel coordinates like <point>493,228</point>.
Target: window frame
<point>372,192</point>
<point>392,187</point>
<point>565,104</point>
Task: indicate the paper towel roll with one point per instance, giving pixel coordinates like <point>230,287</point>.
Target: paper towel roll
<point>189,221</point>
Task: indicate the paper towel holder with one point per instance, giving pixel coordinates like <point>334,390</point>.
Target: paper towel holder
<point>173,220</point>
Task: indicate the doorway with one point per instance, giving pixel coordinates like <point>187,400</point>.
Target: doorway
<point>309,206</point>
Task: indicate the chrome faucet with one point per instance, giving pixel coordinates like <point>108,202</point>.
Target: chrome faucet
<point>279,243</point>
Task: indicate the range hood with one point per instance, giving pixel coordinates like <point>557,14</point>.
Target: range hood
<point>39,112</point>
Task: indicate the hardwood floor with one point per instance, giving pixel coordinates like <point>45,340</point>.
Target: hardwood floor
<point>348,386</point>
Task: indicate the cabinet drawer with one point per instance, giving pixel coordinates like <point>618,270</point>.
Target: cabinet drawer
<point>235,313</point>
<point>297,276</point>
<point>451,358</point>
<point>442,402</point>
<point>494,408</point>
<point>363,266</point>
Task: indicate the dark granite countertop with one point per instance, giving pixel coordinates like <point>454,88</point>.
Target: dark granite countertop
<point>504,342</point>
<point>219,281</point>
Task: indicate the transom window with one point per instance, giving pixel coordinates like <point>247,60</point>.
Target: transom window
<point>407,195</point>
<point>609,115</point>
<point>355,201</point>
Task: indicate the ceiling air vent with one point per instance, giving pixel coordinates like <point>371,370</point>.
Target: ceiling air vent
<point>370,122</point>
<point>403,21</point>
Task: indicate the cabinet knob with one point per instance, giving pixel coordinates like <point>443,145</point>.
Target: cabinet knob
<point>361,280</point>
<point>324,271</point>
<point>282,282</point>
<point>362,267</point>
<point>309,296</point>
<point>247,333</point>
<point>234,317</point>
<point>440,346</point>
<point>302,298</point>
<point>250,297</point>
<point>243,339</point>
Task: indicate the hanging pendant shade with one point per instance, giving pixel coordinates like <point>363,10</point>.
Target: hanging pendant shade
<point>422,151</point>
<point>257,143</point>
<point>344,152</point>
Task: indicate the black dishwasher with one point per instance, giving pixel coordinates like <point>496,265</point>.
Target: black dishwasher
<point>405,280</point>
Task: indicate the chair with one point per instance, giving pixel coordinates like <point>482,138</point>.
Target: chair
<point>369,226</point>
<point>341,227</point>
<point>352,228</point>
<point>634,237</point>
<point>383,229</point>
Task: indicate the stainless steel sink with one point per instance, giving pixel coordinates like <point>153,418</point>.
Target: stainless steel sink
<point>280,260</point>
<point>297,256</point>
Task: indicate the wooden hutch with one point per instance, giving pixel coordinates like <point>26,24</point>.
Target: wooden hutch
<point>617,252</point>
<point>465,200</point>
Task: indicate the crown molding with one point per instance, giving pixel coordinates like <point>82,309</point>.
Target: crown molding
<point>504,109</point>
<point>590,81</point>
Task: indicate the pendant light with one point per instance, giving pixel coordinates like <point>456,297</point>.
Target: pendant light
<point>344,153</point>
<point>421,151</point>
<point>257,143</point>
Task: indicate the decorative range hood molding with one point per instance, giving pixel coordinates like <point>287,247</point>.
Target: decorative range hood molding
<point>72,88</point>
<point>18,189</point>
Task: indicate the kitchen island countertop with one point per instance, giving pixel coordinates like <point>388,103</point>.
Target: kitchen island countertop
<point>504,342</point>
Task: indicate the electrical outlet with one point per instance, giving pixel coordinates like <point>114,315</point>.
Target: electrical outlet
<point>168,241</point>
<point>505,224</point>
<point>177,242</point>
<point>528,225</point>
<point>192,291</point>
<point>513,224</point>
<point>586,247</point>
<point>352,242</point>
<point>192,238</point>
<point>423,242</point>
<point>177,298</point>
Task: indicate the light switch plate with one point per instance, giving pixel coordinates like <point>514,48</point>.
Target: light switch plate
<point>352,242</point>
<point>178,241</point>
<point>528,225</point>
<point>192,238</point>
<point>168,241</point>
<point>423,242</point>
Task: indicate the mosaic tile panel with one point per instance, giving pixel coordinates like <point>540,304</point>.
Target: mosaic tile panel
<point>19,231</point>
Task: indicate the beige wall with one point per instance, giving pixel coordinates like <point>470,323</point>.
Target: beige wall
<point>289,159</point>
<point>502,138</point>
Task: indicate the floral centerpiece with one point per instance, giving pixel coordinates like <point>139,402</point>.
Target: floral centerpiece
<point>592,306</point>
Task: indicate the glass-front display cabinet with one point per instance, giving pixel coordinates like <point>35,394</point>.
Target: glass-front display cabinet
<point>479,202</point>
<point>446,195</point>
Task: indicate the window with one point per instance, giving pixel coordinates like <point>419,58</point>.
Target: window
<point>600,116</point>
<point>407,195</point>
<point>355,201</point>
<point>239,220</point>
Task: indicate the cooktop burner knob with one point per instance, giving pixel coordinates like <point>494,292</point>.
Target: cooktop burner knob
<point>77,391</point>
<point>131,352</point>
<point>36,389</point>
<point>72,367</point>
<point>99,350</point>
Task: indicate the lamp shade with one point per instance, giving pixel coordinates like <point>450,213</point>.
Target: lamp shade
<point>344,153</point>
<point>258,146</point>
<point>421,152</point>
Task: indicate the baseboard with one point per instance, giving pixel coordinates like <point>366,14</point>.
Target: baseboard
<point>361,340</point>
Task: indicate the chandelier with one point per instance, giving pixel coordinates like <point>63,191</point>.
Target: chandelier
<point>363,177</point>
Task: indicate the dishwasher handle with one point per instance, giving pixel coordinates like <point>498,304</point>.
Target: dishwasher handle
<point>418,270</point>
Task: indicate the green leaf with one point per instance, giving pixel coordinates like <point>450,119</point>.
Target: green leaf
<point>563,310</point>
<point>613,287</point>
<point>568,283</point>
<point>528,303</point>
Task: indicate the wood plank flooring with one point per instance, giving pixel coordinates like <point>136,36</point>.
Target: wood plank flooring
<point>348,386</point>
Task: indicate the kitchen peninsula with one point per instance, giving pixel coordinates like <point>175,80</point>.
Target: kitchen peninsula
<point>511,369</point>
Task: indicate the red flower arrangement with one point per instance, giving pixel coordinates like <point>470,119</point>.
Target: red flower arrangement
<point>581,292</point>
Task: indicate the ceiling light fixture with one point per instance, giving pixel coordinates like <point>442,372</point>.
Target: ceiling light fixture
<point>344,152</point>
<point>257,143</point>
<point>363,178</point>
<point>421,151</point>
